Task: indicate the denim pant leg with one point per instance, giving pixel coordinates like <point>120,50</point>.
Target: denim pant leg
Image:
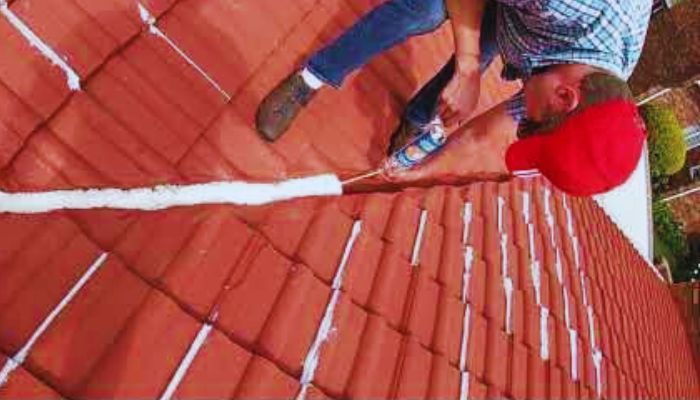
<point>387,25</point>
<point>423,107</point>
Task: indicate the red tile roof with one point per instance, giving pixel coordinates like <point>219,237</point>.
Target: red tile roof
<point>249,302</point>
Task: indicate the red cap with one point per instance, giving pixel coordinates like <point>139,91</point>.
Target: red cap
<point>589,153</point>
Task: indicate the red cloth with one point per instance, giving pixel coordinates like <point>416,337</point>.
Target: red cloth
<point>590,153</point>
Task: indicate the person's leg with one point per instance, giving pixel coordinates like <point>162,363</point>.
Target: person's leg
<point>391,23</point>
<point>423,106</point>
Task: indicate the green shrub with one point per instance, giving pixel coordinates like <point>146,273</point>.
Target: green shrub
<point>667,146</point>
<point>669,231</point>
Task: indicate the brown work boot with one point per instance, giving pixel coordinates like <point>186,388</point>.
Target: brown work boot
<point>280,107</point>
<point>402,136</point>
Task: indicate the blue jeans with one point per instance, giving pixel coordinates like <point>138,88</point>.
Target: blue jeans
<point>387,25</point>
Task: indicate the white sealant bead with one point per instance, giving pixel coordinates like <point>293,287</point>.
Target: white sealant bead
<point>526,207</point>
<point>468,265</point>
<point>464,386</point>
<point>577,256</point>
<point>465,338</point>
<point>415,257</point>
<point>324,331</point>
<point>168,196</point>
<point>584,290</point>
<point>567,307</point>
<point>544,333</point>
<point>531,240</point>
<point>186,362</point>
<point>558,267</point>
<point>536,281</point>
<point>573,343</point>
<point>508,287</point>
<point>18,359</point>
<point>467,219</point>
<point>354,233</point>
<point>501,205</point>
<point>504,255</point>
<point>72,77</point>
<point>591,325</point>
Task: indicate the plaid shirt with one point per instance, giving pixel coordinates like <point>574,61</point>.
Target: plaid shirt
<point>608,34</point>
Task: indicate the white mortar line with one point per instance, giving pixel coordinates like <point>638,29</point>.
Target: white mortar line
<point>598,364</point>
<point>19,358</point>
<point>150,21</point>
<point>573,344</point>
<point>167,196</point>
<point>558,267</point>
<point>501,205</point>
<point>536,273</point>
<point>591,326</point>
<point>584,288</point>
<point>526,207</point>
<point>467,219</point>
<point>468,265</point>
<point>595,352</point>
<point>186,362</point>
<point>567,307</point>
<point>72,77</point>
<point>466,325</point>
<point>577,255</point>
<point>504,255</point>
<point>544,333</point>
<point>354,233</point>
<point>464,386</point>
<point>325,329</point>
<point>415,258</point>
<point>508,288</point>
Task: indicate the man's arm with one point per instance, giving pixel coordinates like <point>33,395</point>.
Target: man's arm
<point>466,16</point>
<point>461,95</point>
<point>474,151</point>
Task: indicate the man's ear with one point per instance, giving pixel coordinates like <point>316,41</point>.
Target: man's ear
<point>567,98</point>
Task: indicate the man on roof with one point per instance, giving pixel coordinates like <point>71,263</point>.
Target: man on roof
<point>575,117</point>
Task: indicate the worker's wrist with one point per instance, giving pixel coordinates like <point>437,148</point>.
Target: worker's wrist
<point>467,63</point>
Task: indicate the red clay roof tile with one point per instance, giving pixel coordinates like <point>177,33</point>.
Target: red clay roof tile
<point>251,295</point>
<point>263,380</point>
<point>216,370</point>
<point>22,385</point>
<point>292,325</point>
<point>341,348</point>
<point>414,373</point>
<point>94,318</point>
<point>422,314</point>
<point>449,327</point>
<point>146,353</point>
<point>444,380</point>
<point>376,361</point>
<point>324,242</point>
<point>362,267</point>
<point>391,286</point>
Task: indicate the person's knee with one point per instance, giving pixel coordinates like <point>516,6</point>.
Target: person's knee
<point>430,14</point>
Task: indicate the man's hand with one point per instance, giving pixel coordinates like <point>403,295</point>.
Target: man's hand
<point>460,97</point>
<point>476,150</point>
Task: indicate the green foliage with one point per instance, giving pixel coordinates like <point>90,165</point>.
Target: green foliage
<point>671,240</point>
<point>667,146</point>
